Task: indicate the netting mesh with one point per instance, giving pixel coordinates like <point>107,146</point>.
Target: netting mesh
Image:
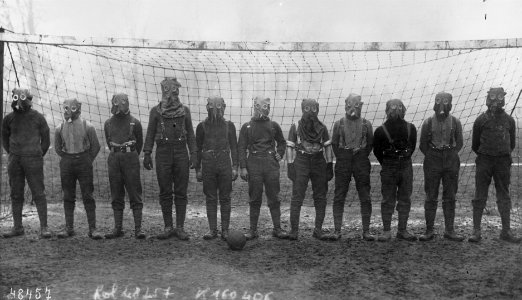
<point>93,74</point>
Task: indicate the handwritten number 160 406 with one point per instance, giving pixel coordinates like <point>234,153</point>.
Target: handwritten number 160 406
<point>228,294</point>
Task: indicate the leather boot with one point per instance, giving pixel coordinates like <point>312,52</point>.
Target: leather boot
<point>318,233</point>
<point>366,215</point>
<point>402,233</point>
<point>41,208</point>
<point>429,216</point>
<point>449,221</point>
<point>367,236</point>
<point>212,222</point>
<point>225,220</point>
<point>14,232</point>
<point>45,233</point>
<point>18,229</point>
<point>508,236</point>
<point>69,221</point>
<point>505,215</point>
<point>277,232</point>
<point>476,236</point>
<point>338,212</point>
<point>477,220</point>
<point>385,236</point>
<point>91,220</point>
<point>167,220</point>
<point>254,217</point>
<point>138,216</point>
<point>295,214</point>
<point>181,212</point>
<point>118,224</point>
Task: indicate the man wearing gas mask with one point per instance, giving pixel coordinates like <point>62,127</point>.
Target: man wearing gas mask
<point>352,142</point>
<point>25,137</point>
<point>124,137</point>
<point>394,143</point>
<point>493,140</point>
<point>170,126</point>
<point>309,156</point>
<point>75,141</point>
<point>440,142</point>
<point>265,143</point>
<point>216,164</point>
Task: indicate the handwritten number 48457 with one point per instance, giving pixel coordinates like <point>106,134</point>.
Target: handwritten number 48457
<point>38,293</point>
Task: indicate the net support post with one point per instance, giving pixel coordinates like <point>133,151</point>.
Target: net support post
<point>1,106</point>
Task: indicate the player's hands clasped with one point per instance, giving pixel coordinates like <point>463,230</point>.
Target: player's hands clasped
<point>244,174</point>
<point>147,161</point>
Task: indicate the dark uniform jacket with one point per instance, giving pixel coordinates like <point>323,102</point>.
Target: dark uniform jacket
<point>493,134</point>
<point>209,136</point>
<point>398,131</point>
<point>121,129</point>
<point>260,136</point>
<point>25,133</point>
<point>169,130</point>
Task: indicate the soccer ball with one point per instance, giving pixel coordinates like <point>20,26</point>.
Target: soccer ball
<point>236,240</point>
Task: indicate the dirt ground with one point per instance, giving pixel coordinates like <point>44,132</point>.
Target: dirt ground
<point>267,268</point>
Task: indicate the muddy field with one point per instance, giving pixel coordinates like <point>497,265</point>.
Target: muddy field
<point>80,268</point>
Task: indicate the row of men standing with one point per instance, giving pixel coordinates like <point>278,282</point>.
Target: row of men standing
<point>216,155</point>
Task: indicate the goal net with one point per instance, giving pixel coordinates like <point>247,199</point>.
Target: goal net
<point>92,70</point>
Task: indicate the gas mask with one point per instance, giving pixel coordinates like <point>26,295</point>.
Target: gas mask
<point>215,108</point>
<point>71,109</point>
<point>310,109</point>
<point>261,107</point>
<point>353,106</point>
<point>495,100</point>
<point>395,109</point>
<point>120,104</point>
<point>22,100</point>
<point>169,92</point>
<point>442,105</point>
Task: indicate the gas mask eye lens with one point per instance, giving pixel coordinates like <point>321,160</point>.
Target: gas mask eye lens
<point>15,97</point>
<point>500,97</point>
<point>438,100</point>
<point>23,97</point>
<point>307,108</point>
<point>166,88</point>
<point>74,108</point>
<point>445,101</point>
<point>492,96</point>
<point>218,105</point>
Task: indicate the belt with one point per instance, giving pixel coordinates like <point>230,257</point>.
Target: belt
<point>398,157</point>
<point>75,155</point>
<point>442,148</point>
<point>123,149</point>
<point>302,152</point>
<point>215,151</point>
<point>261,153</point>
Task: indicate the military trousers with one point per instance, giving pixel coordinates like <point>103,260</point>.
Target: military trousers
<point>77,168</point>
<point>172,167</point>
<point>124,174</point>
<point>396,189</point>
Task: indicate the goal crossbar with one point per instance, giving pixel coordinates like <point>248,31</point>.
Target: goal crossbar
<point>259,46</point>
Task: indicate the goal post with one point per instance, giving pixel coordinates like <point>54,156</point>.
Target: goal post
<point>93,69</point>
